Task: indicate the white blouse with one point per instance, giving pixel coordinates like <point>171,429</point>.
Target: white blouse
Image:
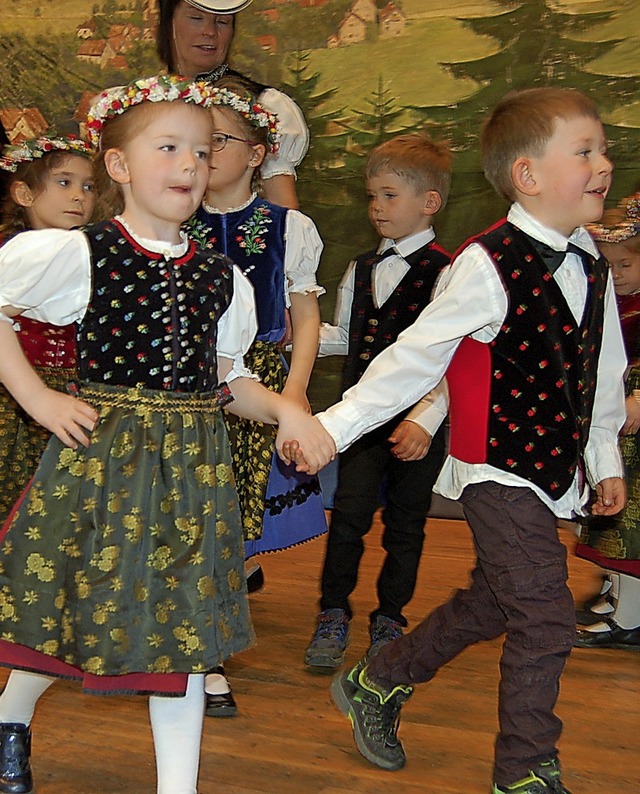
<point>46,274</point>
<point>294,134</point>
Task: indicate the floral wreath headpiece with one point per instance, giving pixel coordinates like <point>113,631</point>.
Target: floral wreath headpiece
<point>628,227</point>
<point>255,113</point>
<point>14,154</point>
<point>160,88</point>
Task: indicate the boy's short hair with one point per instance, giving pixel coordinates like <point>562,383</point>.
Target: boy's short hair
<point>521,125</point>
<point>423,163</point>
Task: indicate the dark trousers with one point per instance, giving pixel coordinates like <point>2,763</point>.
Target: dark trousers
<point>363,469</point>
<point>519,586</point>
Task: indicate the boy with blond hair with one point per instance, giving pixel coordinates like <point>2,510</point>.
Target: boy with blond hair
<point>524,325</point>
<point>382,293</point>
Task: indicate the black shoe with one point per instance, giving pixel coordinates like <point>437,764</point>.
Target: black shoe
<point>615,637</point>
<point>255,579</point>
<point>15,750</point>
<point>220,705</point>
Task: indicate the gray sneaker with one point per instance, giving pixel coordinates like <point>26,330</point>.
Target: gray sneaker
<point>374,713</point>
<point>327,648</point>
<point>382,630</point>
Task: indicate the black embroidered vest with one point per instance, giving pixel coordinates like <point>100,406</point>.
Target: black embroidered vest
<point>152,322</point>
<point>523,402</point>
<point>373,329</point>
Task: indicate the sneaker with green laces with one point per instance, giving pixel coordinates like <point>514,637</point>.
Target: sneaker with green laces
<point>374,713</point>
<point>543,779</point>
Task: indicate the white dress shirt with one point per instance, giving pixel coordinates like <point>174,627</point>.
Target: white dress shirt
<point>471,301</point>
<point>432,409</point>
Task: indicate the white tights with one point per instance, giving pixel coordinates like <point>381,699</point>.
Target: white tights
<point>176,724</point>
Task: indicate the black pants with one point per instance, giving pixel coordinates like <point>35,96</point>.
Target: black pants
<point>363,470</point>
<point>519,586</point>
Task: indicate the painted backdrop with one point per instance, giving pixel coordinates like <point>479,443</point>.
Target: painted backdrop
<point>362,70</point>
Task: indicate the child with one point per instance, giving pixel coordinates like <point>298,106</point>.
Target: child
<point>614,542</point>
<point>381,294</point>
<point>123,566</point>
<point>534,359</point>
<point>278,250</point>
<point>50,186</point>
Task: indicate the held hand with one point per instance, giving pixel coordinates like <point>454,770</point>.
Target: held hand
<point>65,416</point>
<point>303,440</point>
<point>409,441</point>
<point>611,497</point>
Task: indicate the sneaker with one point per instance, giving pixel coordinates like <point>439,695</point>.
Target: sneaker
<point>327,648</point>
<point>374,713</point>
<point>382,630</point>
<point>544,779</point>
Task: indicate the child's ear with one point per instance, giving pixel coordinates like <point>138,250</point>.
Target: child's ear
<point>115,163</point>
<point>258,154</point>
<point>21,194</point>
<point>523,178</point>
<point>433,202</point>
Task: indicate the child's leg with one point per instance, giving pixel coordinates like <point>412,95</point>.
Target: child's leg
<point>17,704</point>
<point>524,563</point>
<point>360,472</point>
<point>20,695</point>
<point>176,723</point>
<point>408,499</point>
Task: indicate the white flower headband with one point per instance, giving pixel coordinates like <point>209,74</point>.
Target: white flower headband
<point>14,155</point>
<point>160,88</point>
<point>255,113</point>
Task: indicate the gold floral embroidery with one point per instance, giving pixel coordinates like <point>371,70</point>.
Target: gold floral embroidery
<point>41,567</point>
<point>161,558</point>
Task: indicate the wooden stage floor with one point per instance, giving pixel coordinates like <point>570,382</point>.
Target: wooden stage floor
<point>288,738</point>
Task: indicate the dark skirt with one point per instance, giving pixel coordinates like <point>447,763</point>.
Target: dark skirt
<point>23,440</point>
<point>614,541</point>
<point>280,506</point>
<point>123,564</point>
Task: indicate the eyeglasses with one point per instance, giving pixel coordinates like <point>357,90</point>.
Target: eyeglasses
<point>219,140</point>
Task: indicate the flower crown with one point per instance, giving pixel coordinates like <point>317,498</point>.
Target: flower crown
<point>628,227</point>
<point>161,88</point>
<point>255,113</point>
<point>28,151</point>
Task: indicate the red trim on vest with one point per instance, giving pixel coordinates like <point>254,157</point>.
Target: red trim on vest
<point>469,379</point>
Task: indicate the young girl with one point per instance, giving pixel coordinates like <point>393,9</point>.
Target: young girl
<point>126,562</point>
<point>614,542</point>
<point>278,250</point>
<point>50,186</point>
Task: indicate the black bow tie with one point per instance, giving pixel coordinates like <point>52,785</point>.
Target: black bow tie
<point>392,251</point>
<point>553,259</point>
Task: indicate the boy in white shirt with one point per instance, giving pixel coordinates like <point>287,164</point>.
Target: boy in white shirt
<point>525,326</point>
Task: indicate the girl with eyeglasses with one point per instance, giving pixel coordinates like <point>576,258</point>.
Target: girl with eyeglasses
<point>279,251</point>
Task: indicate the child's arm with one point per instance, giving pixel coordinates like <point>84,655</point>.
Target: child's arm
<point>305,323</point>
<point>334,339</point>
<point>412,438</point>
<point>62,414</point>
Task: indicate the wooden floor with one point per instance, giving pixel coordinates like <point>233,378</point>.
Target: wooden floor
<point>288,737</point>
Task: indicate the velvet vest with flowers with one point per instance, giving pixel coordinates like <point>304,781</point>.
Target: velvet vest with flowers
<point>523,402</point>
<point>254,238</point>
<point>152,320</point>
<point>371,328</point>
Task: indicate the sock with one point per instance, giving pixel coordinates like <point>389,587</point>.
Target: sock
<point>176,723</point>
<point>216,683</point>
<point>20,695</point>
<point>615,585</point>
<point>627,611</point>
